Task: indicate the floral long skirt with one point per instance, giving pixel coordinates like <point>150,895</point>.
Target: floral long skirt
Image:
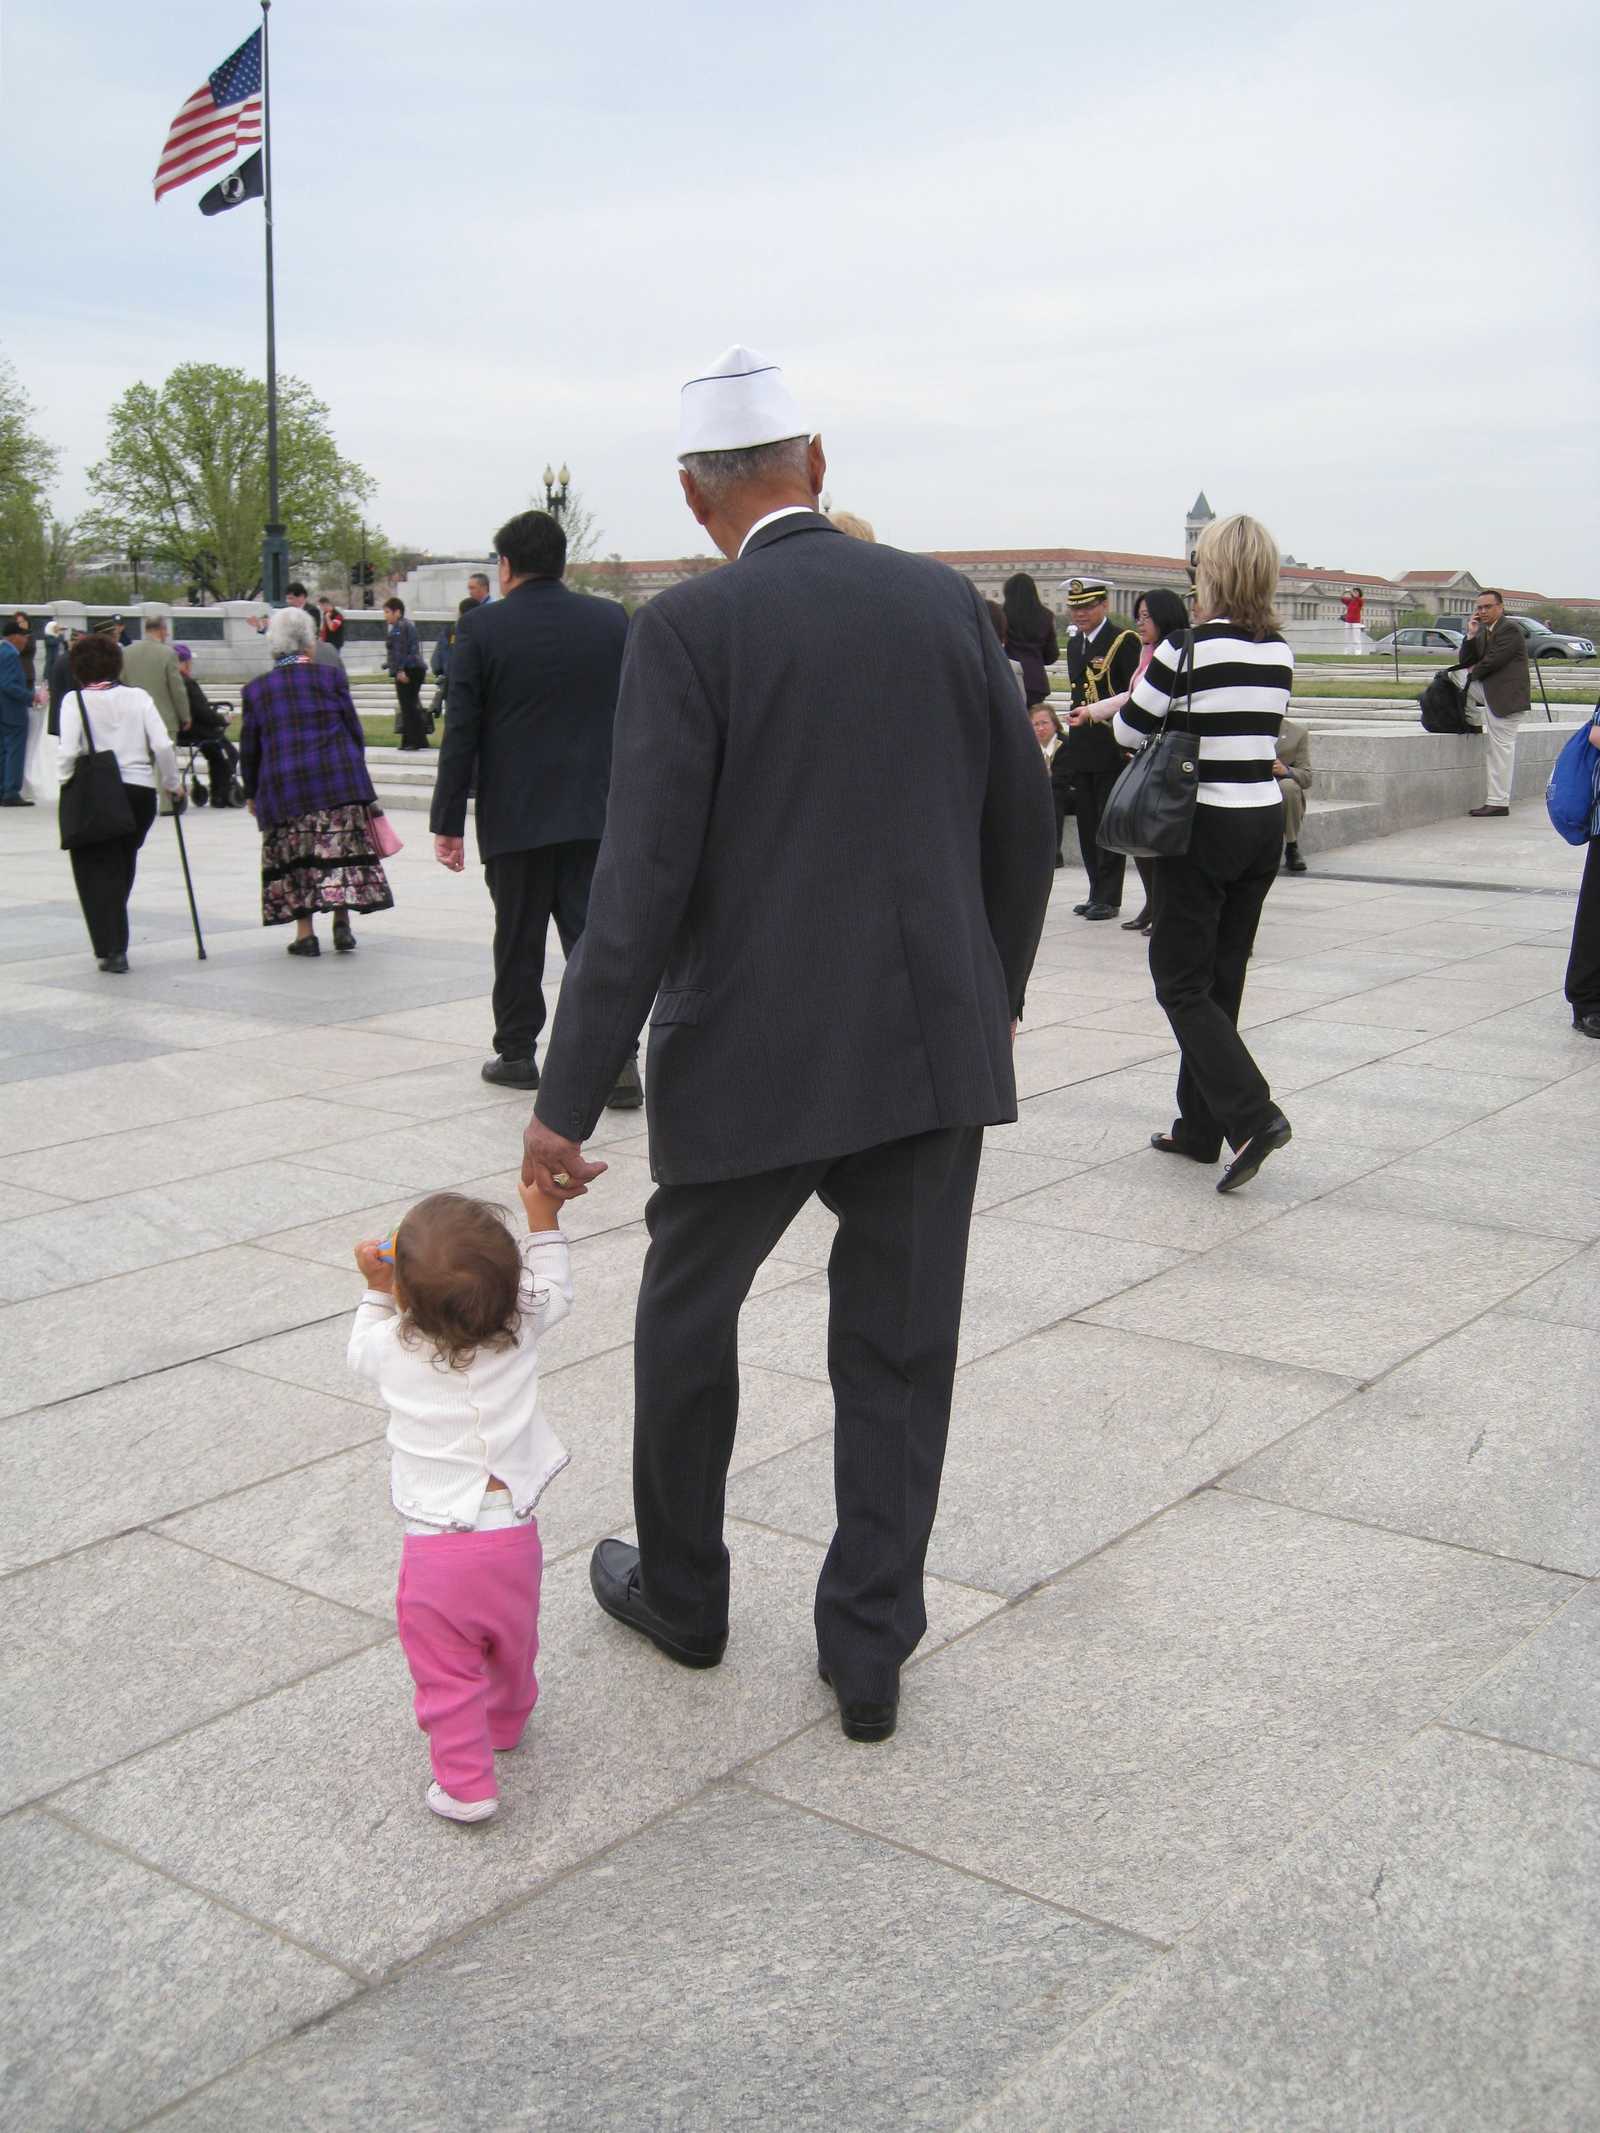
<point>325,861</point>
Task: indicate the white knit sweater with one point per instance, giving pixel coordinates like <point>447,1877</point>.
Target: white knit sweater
<point>450,1429</point>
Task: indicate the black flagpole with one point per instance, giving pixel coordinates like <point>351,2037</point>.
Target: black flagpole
<point>275,548</point>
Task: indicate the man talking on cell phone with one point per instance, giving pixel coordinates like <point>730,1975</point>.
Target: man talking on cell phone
<point>1495,654</point>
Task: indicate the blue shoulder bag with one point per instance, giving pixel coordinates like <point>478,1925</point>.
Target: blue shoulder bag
<point>1574,785</point>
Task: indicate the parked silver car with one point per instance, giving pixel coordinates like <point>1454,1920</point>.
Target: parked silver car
<point>1438,638</point>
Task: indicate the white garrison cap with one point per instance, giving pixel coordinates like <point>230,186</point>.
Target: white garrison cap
<point>742,400</point>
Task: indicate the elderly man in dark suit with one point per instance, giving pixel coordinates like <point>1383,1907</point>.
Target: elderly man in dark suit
<point>533,693</point>
<point>827,860</point>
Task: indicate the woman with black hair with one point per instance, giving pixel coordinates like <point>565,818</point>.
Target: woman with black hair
<point>1030,635</point>
<point>102,714</point>
<point>1157,615</point>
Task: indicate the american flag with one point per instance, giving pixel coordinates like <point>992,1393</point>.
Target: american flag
<point>222,116</point>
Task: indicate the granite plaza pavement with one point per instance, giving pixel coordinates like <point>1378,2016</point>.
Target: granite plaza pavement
<point>1249,1777</point>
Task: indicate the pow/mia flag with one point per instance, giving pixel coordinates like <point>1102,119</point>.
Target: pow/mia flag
<point>238,186</point>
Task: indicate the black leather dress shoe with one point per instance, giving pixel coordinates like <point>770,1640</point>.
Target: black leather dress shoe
<point>1101,910</point>
<point>1587,1025</point>
<point>1292,862</point>
<point>863,1721</point>
<point>614,1581</point>
<point>1079,909</point>
<point>1275,1135</point>
<point>116,964</point>
<point>510,1073</point>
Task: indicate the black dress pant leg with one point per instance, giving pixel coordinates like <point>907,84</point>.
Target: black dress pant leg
<point>1086,818</point>
<point>573,879</point>
<point>522,889</point>
<point>1583,964</point>
<point>707,1243</point>
<point>1207,907</point>
<point>413,724</point>
<point>103,875</point>
<point>895,1281</point>
<point>1104,869</point>
<point>221,761</point>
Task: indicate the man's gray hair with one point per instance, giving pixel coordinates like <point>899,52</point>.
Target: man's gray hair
<point>290,629</point>
<point>719,474</point>
<point>155,622</point>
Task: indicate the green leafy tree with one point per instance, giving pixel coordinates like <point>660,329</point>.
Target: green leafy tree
<point>185,476</point>
<point>28,537</point>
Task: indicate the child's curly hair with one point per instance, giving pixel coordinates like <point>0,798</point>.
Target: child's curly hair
<point>459,1275</point>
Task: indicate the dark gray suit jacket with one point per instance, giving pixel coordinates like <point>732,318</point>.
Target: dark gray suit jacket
<point>830,846</point>
<point>533,692</point>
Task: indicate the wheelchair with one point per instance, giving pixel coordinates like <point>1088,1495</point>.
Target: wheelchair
<point>196,770</point>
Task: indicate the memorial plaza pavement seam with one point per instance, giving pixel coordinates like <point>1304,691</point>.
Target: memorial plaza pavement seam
<point>1519,1747</point>
<point>245,1703</point>
<point>1224,1487</point>
<point>80,1830</point>
<point>920,1851</point>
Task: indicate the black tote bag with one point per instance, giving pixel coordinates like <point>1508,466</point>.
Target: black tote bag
<point>1149,812</point>
<point>94,801</point>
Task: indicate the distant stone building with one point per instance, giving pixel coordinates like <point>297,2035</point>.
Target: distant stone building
<point>1310,596</point>
<point>1306,594</point>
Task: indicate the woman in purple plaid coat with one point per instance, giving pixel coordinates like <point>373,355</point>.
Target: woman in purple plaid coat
<point>302,756</point>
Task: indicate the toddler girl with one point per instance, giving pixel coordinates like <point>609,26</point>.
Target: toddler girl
<point>448,1331</point>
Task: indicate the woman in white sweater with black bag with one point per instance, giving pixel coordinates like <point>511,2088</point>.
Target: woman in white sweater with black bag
<point>99,713</point>
<point>1206,903</point>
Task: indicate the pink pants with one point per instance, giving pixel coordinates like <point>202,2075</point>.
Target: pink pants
<point>467,1606</point>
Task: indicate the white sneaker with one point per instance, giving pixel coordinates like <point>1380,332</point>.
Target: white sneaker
<point>459,1810</point>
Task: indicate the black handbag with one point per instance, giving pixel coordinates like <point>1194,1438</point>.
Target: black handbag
<point>94,804</point>
<point>1149,812</point>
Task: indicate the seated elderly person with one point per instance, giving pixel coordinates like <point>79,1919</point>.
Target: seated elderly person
<point>207,729</point>
<point>1292,769</point>
<point>303,757</point>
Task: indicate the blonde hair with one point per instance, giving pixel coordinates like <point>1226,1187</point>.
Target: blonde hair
<point>1236,575</point>
<point>857,528</point>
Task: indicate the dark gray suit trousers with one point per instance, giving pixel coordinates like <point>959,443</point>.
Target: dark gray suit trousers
<point>894,1282</point>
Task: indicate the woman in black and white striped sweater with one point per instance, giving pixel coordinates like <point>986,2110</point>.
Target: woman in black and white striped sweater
<point>1207,903</point>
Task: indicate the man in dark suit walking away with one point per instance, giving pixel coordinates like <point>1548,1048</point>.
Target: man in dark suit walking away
<point>827,859</point>
<point>533,694</point>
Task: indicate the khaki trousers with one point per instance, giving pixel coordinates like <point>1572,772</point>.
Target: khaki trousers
<point>1500,747</point>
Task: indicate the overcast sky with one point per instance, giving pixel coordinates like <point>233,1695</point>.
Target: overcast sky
<point>1037,273</point>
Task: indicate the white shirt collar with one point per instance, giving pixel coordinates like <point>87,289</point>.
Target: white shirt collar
<point>787,511</point>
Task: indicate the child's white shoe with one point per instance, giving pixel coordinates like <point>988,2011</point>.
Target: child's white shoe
<point>455,1810</point>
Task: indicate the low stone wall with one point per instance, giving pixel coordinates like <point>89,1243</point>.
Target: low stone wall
<point>1371,780</point>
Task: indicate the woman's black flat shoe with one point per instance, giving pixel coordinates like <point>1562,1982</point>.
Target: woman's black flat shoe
<point>344,941</point>
<point>1255,1152</point>
<point>309,946</point>
<point>1141,924</point>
